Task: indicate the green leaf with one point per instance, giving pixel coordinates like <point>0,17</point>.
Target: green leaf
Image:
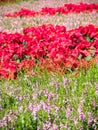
<point>79,57</point>
<point>89,39</point>
<point>88,58</point>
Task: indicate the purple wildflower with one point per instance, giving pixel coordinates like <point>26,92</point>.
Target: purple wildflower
<point>68,111</point>
<point>97,89</point>
<point>65,82</point>
<point>81,114</point>
<point>90,119</point>
<point>34,108</point>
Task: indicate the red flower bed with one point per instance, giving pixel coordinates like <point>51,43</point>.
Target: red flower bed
<point>67,8</point>
<point>48,46</point>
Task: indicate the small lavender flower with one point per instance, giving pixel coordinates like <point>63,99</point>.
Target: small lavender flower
<point>35,95</point>
<point>97,89</point>
<point>20,108</point>
<point>8,118</point>
<point>44,105</point>
<point>50,96</point>
<point>90,119</point>
<point>20,98</point>
<point>75,122</point>
<point>1,124</point>
<point>34,108</point>
<point>65,82</point>
<point>68,111</point>
<point>95,104</point>
<point>54,127</point>
<point>81,114</point>
<point>47,126</point>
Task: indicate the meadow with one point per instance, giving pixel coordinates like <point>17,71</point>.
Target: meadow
<point>49,65</point>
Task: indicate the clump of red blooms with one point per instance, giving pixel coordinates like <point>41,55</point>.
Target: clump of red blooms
<point>48,46</point>
<point>65,9</point>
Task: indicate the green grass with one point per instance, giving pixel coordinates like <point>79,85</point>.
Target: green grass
<point>66,93</point>
<point>10,2</point>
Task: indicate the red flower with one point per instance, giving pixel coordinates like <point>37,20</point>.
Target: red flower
<point>65,9</point>
<point>47,46</point>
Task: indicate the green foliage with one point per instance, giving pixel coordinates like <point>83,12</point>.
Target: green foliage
<point>75,92</point>
<point>26,122</point>
<point>8,2</point>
